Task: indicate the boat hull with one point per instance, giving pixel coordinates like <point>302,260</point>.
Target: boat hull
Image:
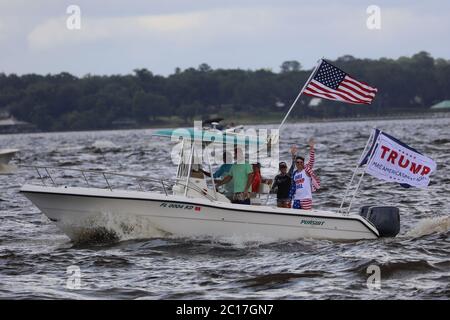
<point>6,155</point>
<point>83,212</point>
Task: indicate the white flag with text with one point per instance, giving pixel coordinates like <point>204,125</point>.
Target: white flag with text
<point>392,160</point>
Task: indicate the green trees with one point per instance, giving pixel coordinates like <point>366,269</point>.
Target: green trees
<point>148,106</point>
<point>292,65</point>
<point>65,102</point>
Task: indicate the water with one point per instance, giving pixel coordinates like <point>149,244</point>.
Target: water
<point>35,255</point>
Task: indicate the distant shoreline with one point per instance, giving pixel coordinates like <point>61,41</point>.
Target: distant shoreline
<point>427,115</point>
<point>273,120</point>
<point>246,120</point>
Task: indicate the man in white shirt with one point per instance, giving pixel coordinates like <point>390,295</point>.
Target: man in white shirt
<point>304,180</point>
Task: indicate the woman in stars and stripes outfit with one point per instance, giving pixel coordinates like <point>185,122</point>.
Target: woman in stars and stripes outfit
<point>304,180</point>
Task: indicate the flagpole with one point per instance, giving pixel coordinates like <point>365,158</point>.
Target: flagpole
<point>354,171</point>
<point>360,179</point>
<point>301,92</point>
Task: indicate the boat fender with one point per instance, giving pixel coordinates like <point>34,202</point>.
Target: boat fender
<point>386,219</point>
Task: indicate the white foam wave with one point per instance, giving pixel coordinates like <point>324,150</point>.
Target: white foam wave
<point>111,227</point>
<point>69,149</point>
<point>430,225</point>
<point>129,227</point>
<point>104,144</point>
<point>241,241</point>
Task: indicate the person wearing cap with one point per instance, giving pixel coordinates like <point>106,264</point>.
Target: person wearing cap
<point>257,178</point>
<point>304,180</point>
<point>282,185</point>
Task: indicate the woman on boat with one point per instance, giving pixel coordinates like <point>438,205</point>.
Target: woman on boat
<point>304,180</point>
<point>257,178</point>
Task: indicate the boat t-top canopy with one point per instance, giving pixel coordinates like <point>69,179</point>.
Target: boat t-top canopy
<point>207,137</point>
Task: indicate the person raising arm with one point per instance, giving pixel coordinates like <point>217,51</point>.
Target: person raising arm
<point>304,180</point>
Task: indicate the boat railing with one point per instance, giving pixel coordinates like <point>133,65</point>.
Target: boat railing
<point>45,175</point>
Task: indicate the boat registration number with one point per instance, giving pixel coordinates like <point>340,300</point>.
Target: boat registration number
<point>180,206</point>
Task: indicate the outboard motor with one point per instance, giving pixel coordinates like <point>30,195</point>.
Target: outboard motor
<point>385,219</point>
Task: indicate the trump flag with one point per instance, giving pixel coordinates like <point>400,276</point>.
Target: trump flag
<point>390,159</point>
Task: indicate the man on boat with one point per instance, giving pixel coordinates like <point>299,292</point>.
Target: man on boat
<point>222,172</point>
<point>241,174</point>
<point>304,180</point>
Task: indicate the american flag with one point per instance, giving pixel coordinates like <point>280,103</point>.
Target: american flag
<point>332,83</point>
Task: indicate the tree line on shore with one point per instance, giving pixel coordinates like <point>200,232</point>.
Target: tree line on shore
<point>66,102</point>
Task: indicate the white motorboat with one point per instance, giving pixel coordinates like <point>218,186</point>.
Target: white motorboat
<point>5,156</point>
<point>216,124</point>
<point>85,211</point>
<point>188,206</point>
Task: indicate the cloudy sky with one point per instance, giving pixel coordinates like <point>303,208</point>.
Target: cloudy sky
<point>118,36</point>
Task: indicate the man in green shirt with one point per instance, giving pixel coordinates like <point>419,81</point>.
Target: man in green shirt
<point>241,175</point>
<point>222,172</point>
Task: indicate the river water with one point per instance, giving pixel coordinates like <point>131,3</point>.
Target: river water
<point>39,261</point>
